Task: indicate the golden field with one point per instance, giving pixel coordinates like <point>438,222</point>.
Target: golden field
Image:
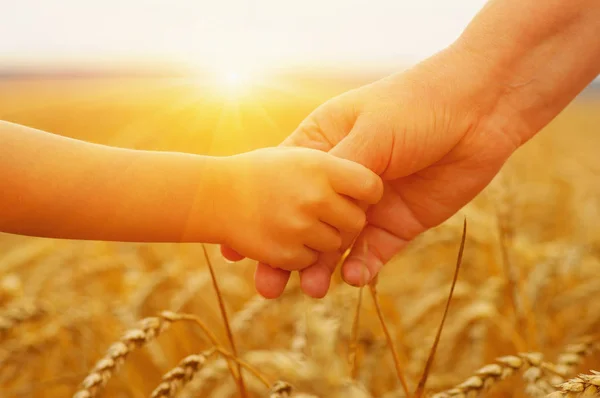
<point>529,281</point>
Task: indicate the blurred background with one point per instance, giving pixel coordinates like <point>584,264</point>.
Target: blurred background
<point>218,77</point>
<point>222,77</point>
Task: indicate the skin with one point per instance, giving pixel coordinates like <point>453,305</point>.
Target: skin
<point>438,133</point>
<point>281,206</point>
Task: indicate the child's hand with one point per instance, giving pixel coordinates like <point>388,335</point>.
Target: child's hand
<point>285,205</point>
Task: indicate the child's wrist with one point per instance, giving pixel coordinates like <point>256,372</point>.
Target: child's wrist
<point>224,203</point>
<point>208,218</point>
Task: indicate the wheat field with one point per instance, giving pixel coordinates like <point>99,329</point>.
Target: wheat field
<point>116,320</point>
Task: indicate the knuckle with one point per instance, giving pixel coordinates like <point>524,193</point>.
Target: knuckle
<point>336,242</point>
<point>310,258</point>
<point>300,226</point>
<point>286,257</point>
<point>313,159</point>
<point>293,259</point>
<point>316,198</point>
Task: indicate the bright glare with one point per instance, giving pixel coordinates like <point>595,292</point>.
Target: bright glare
<point>233,78</point>
<point>236,83</point>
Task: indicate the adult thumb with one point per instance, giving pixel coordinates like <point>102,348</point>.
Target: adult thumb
<point>367,144</point>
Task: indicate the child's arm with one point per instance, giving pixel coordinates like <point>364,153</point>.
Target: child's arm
<point>279,205</point>
<point>52,186</point>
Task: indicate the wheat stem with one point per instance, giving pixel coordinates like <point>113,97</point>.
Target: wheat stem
<point>421,386</point>
<point>388,337</point>
<point>246,365</point>
<point>240,377</point>
<point>355,325</point>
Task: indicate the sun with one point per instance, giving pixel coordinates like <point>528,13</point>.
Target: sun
<point>236,82</point>
<point>234,79</point>
<point>231,81</point>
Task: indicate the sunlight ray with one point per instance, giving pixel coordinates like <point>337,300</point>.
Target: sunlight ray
<point>138,130</point>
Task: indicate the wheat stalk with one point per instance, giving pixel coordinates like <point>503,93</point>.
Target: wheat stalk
<point>176,378</point>
<point>491,374</point>
<point>148,329</point>
<point>11,287</point>
<point>280,389</point>
<point>353,346</point>
<point>420,390</point>
<point>580,386</point>
<point>16,349</point>
<point>484,378</point>
<point>388,337</point>
<point>238,377</point>
<point>572,357</point>
<point>251,309</point>
<point>536,376</point>
<point>18,313</point>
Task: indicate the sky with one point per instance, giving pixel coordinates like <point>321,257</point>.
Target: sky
<point>251,34</point>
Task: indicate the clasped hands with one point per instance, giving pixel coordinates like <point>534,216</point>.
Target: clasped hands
<point>434,151</point>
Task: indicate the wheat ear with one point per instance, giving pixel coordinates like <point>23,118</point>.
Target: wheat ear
<point>487,376</point>
<point>176,378</point>
<point>18,314</point>
<point>580,386</point>
<point>148,329</point>
<point>573,356</point>
<point>280,389</point>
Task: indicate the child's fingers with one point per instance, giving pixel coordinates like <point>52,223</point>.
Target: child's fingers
<point>231,254</point>
<point>344,215</point>
<point>354,180</point>
<point>323,238</point>
<point>292,259</point>
<point>270,282</point>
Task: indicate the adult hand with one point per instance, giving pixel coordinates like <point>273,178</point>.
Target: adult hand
<point>438,133</point>
<point>425,133</point>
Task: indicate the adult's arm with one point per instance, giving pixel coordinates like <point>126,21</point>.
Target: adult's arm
<point>535,56</point>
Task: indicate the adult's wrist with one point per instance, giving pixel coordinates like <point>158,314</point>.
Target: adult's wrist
<point>491,90</point>
<point>468,87</point>
<point>541,55</point>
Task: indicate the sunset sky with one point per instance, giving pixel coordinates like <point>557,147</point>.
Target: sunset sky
<point>251,34</point>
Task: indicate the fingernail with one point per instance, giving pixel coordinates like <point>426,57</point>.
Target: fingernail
<point>358,274</point>
<point>365,275</point>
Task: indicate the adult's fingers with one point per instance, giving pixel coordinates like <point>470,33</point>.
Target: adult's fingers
<point>315,280</point>
<point>361,267</point>
<point>366,144</point>
<point>327,125</point>
<point>391,225</point>
<point>270,282</point>
<point>231,254</point>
